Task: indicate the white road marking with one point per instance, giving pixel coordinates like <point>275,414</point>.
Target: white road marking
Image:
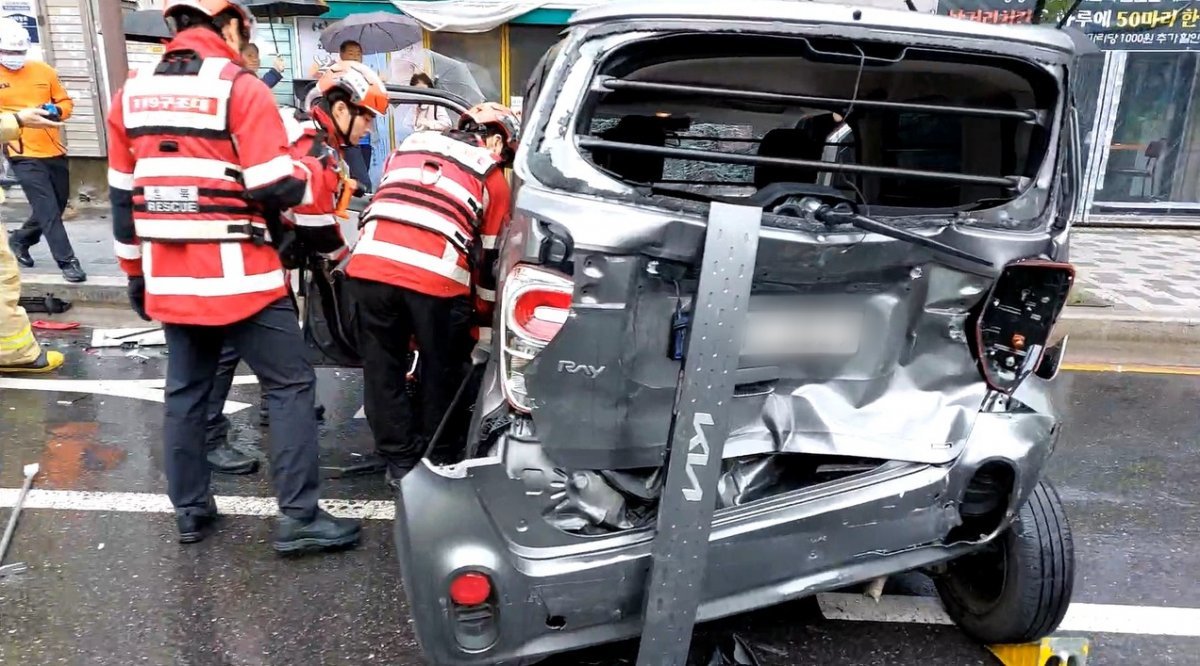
<point>1081,617</point>
<point>137,389</point>
<point>229,505</point>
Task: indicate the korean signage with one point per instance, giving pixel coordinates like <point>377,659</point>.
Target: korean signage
<point>311,57</point>
<point>990,11</point>
<point>1140,25</point>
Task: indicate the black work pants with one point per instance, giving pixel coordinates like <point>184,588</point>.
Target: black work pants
<point>217,427</point>
<point>272,346</point>
<point>47,185</point>
<point>388,318</point>
<point>217,430</point>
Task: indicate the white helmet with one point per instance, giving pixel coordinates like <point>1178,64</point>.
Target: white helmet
<point>14,38</point>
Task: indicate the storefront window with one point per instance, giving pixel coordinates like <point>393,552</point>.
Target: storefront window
<point>526,46</point>
<point>1154,150</point>
<point>275,39</point>
<point>472,64</point>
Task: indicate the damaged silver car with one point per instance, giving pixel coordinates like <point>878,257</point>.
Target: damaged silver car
<point>916,177</point>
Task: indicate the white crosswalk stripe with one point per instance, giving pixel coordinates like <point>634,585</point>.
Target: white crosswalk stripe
<point>229,505</point>
<point>1081,617</point>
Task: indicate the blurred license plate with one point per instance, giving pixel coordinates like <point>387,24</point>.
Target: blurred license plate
<point>806,332</point>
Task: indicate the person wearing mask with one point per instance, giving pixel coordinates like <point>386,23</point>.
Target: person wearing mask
<point>19,350</point>
<point>358,156</point>
<point>427,243</point>
<point>198,157</point>
<point>334,116</point>
<point>429,117</point>
<point>253,60</point>
<point>37,154</point>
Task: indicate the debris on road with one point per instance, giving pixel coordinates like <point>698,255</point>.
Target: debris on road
<point>43,325</point>
<point>48,304</point>
<point>128,338</point>
<point>731,650</point>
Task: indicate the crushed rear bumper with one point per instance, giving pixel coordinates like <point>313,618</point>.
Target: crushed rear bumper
<point>557,591</point>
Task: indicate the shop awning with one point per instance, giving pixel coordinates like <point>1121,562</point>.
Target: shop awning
<point>477,15</point>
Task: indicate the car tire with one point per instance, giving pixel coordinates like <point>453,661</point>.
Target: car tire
<point>1017,588</point>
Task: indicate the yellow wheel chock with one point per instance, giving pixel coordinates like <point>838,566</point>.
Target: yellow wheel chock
<point>1052,651</point>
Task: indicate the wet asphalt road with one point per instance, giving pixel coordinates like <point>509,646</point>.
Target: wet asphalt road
<point>115,588</point>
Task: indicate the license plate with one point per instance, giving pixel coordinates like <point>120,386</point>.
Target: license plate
<point>802,333</point>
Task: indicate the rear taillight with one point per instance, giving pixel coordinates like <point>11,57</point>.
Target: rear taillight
<point>1016,321</point>
<point>470,589</point>
<point>474,611</point>
<point>536,304</point>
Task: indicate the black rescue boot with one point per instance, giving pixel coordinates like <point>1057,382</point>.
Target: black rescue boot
<point>227,460</point>
<point>20,251</point>
<point>322,532</point>
<point>72,271</point>
<point>393,475</point>
<point>196,523</point>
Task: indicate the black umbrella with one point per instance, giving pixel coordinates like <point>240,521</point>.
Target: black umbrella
<point>273,9</point>
<point>146,25</point>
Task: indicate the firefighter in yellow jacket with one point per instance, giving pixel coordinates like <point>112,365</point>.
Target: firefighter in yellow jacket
<point>19,351</point>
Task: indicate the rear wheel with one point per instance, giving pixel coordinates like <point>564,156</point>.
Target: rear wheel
<point>1017,588</point>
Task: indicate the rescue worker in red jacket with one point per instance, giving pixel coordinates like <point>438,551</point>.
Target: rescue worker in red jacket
<point>428,242</point>
<point>346,92</point>
<point>197,154</point>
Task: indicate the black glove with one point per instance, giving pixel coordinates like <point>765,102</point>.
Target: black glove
<point>137,296</point>
<point>291,250</point>
<point>325,153</point>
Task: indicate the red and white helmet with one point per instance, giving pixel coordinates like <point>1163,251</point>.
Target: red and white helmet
<point>496,116</point>
<point>212,8</point>
<point>360,82</point>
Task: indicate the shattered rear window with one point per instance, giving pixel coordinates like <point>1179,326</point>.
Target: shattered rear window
<point>725,179</point>
<point>893,127</point>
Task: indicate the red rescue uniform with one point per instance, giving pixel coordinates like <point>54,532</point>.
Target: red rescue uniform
<point>428,241</point>
<point>316,224</point>
<point>440,207</point>
<point>193,165</point>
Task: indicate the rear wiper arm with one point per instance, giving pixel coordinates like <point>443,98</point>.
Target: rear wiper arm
<point>832,216</point>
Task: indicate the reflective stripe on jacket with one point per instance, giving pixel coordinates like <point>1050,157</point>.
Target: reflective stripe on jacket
<point>188,184</point>
<point>197,153</point>
<point>425,219</point>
